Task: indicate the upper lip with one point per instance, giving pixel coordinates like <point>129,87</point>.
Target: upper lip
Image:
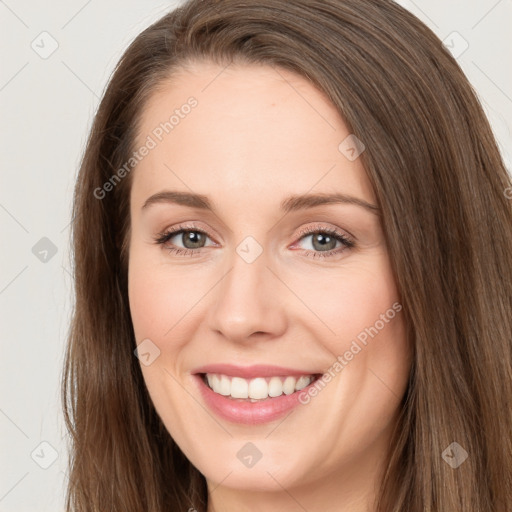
<point>251,372</point>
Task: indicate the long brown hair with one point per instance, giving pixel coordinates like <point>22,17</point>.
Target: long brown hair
<point>441,184</point>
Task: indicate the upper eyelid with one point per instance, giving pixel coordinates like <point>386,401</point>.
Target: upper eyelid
<point>347,243</point>
<point>303,233</point>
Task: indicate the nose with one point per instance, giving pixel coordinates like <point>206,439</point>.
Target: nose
<point>249,302</point>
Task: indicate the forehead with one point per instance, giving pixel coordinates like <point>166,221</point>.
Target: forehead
<point>253,129</point>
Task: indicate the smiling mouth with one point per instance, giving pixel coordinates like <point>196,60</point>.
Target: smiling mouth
<point>257,389</point>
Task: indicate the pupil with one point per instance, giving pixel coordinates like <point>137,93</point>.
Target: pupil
<point>194,238</point>
<point>323,240</point>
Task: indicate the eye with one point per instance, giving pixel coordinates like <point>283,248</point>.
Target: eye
<point>325,242</point>
<point>193,240</point>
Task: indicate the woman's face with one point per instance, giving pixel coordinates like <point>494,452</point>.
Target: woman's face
<point>266,285</point>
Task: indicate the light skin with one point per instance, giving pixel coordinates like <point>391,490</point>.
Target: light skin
<point>257,136</point>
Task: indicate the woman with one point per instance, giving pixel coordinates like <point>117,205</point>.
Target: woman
<point>293,281</point>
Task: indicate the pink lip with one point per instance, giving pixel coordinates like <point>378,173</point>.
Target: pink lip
<point>251,372</point>
<point>243,411</point>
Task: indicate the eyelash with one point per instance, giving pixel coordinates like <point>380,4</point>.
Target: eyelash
<point>164,237</point>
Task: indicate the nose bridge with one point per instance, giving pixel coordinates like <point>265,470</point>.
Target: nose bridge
<point>246,299</point>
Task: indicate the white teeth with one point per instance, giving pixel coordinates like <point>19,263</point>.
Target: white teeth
<point>239,388</point>
<point>289,385</point>
<point>275,387</point>
<point>259,388</point>
<point>302,382</point>
<point>224,387</point>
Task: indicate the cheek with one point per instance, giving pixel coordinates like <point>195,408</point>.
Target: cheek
<point>147,304</point>
<point>346,301</point>
<point>358,310</point>
<point>350,299</point>
<point>159,294</point>
<point>158,299</point>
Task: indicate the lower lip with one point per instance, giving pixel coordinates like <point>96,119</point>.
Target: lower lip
<point>245,412</point>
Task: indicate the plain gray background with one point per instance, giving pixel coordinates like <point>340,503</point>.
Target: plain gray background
<point>47,105</point>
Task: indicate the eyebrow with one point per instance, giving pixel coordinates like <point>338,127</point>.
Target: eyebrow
<point>290,204</point>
